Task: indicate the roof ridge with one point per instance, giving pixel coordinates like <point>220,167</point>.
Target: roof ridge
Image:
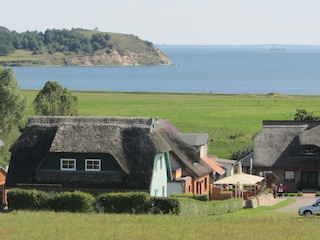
<point>66,120</point>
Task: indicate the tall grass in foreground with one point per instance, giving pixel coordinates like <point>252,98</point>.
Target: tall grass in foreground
<point>230,120</point>
<point>245,224</point>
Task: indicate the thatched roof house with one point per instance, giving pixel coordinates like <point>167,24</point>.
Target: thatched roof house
<point>291,150</point>
<point>96,153</point>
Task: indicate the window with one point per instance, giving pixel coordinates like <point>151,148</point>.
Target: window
<point>158,164</point>
<point>203,151</point>
<point>289,176</point>
<point>68,164</point>
<point>265,173</point>
<point>308,150</point>
<point>205,184</point>
<point>93,164</point>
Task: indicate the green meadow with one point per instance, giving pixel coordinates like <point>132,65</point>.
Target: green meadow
<point>259,223</point>
<point>230,120</point>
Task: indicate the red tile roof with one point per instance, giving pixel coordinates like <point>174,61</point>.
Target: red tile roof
<point>214,165</point>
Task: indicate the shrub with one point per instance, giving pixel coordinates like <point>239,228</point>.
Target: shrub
<point>71,202</point>
<point>317,193</point>
<point>204,198</point>
<point>38,200</point>
<point>25,199</point>
<point>128,202</point>
<point>165,205</point>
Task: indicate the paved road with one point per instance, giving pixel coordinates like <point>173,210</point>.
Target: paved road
<point>293,207</point>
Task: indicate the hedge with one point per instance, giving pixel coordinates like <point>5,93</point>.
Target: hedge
<point>127,203</point>
<point>39,200</point>
<point>200,197</point>
<point>124,202</point>
<point>193,207</point>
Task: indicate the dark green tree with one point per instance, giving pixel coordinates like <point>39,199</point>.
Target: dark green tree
<point>54,100</point>
<point>12,109</point>
<point>304,115</point>
<point>12,105</point>
<point>6,47</point>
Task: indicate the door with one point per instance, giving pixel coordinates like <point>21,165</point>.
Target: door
<point>309,179</point>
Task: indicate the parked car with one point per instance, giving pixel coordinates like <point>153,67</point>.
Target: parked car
<point>311,210</point>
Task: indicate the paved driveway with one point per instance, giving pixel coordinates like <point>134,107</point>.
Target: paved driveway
<point>293,207</point>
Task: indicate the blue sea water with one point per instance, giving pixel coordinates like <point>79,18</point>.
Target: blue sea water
<point>195,69</point>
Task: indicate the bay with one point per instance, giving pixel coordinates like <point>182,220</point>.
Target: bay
<point>195,69</point>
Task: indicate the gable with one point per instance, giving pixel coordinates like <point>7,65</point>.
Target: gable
<point>27,152</point>
<point>278,142</point>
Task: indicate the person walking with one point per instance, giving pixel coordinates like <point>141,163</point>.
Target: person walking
<point>275,190</point>
<point>281,190</point>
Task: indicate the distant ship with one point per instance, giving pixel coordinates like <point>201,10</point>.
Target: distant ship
<point>278,48</point>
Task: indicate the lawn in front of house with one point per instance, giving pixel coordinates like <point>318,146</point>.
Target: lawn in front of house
<point>258,223</point>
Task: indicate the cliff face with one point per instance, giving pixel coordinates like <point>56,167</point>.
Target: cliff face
<point>128,50</point>
<point>113,59</point>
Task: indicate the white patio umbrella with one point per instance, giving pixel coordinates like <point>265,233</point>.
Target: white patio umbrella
<point>239,180</point>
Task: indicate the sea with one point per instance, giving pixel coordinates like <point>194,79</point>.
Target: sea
<point>250,69</point>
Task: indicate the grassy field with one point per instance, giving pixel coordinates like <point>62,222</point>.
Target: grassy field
<point>230,120</point>
<point>258,223</point>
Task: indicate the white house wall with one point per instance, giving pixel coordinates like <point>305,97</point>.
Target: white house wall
<point>158,186</point>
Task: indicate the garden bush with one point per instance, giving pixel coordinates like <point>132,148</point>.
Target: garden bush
<point>200,197</point>
<point>165,205</point>
<point>27,199</point>
<point>126,202</point>
<point>70,202</point>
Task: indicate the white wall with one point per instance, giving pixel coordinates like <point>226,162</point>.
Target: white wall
<point>158,186</point>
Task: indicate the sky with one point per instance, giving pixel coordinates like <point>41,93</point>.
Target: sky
<point>174,22</point>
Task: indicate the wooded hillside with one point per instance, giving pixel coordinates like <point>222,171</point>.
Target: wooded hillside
<point>76,47</point>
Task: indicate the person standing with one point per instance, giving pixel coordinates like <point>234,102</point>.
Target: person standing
<point>275,190</point>
<point>281,190</point>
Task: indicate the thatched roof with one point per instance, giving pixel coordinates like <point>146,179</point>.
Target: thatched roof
<point>310,136</point>
<point>133,142</point>
<point>278,141</point>
<point>187,155</point>
<point>196,139</point>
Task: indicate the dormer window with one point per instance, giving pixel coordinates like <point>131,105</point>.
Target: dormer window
<point>308,150</point>
<point>93,165</point>
<point>68,164</point>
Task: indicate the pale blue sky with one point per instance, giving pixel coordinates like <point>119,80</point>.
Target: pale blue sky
<point>174,21</point>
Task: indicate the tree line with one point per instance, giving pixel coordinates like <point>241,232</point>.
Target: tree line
<point>53,40</point>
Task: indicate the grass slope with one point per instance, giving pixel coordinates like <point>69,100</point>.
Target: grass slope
<point>230,120</point>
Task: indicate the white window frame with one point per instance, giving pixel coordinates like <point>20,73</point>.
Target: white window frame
<point>98,162</point>
<point>70,160</point>
<point>203,151</point>
<point>289,176</point>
